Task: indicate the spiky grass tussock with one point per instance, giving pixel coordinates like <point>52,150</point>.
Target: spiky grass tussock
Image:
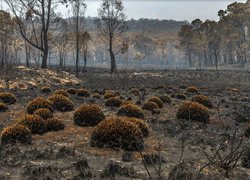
<point>140,123</point>
<point>61,103</point>
<point>96,96</point>
<point>39,103</point>
<point>134,91</point>
<point>7,98</point>
<point>202,99</point>
<point>165,99</point>
<point>61,92</point>
<point>83,92</point>
<point>116,132</point>
<point>131,110</point>
<point>46,89</point>
<point>193,111</point>
<point>16,134</point>
<point>71,91</point>
<point>44,113</point>
<point>3,107</point>
<point>181,96</point>
<point>109,94</point>
<point>150,106</point>
<point>114,102</point>
<point>54,124</point>
<point>156,100</point>
<point>34,123</point>
<point>88,115</point>
<point>192,89</point>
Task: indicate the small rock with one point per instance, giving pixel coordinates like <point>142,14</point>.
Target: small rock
<point>113,169</point>
<point>127,156</point>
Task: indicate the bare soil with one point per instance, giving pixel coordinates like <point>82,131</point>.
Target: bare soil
<point>67,154</point>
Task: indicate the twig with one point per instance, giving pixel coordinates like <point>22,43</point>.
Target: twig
<point>144,164</point>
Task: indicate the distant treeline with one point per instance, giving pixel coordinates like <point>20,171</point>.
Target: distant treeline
<point>216,43</point>
<point>144,25</point>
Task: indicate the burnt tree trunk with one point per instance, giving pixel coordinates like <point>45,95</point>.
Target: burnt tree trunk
<point>113,62</point>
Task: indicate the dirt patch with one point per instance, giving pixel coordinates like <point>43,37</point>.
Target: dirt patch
<point>67,154</point>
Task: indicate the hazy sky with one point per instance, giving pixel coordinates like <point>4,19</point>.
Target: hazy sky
<point>168,9</point>
<point>165,9</point>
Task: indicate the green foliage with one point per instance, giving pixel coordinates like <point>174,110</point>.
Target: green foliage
<point>7,98</point>
<point>39,103</point>
<point>115,132</point>
<point>61,103</point>
<point>193,111</point>
<point>114,102</point>
<point>88,115</point>
<point>44,113</point>
<point>131,110</point>
<point>34,123</point>
<point>16,134</point>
